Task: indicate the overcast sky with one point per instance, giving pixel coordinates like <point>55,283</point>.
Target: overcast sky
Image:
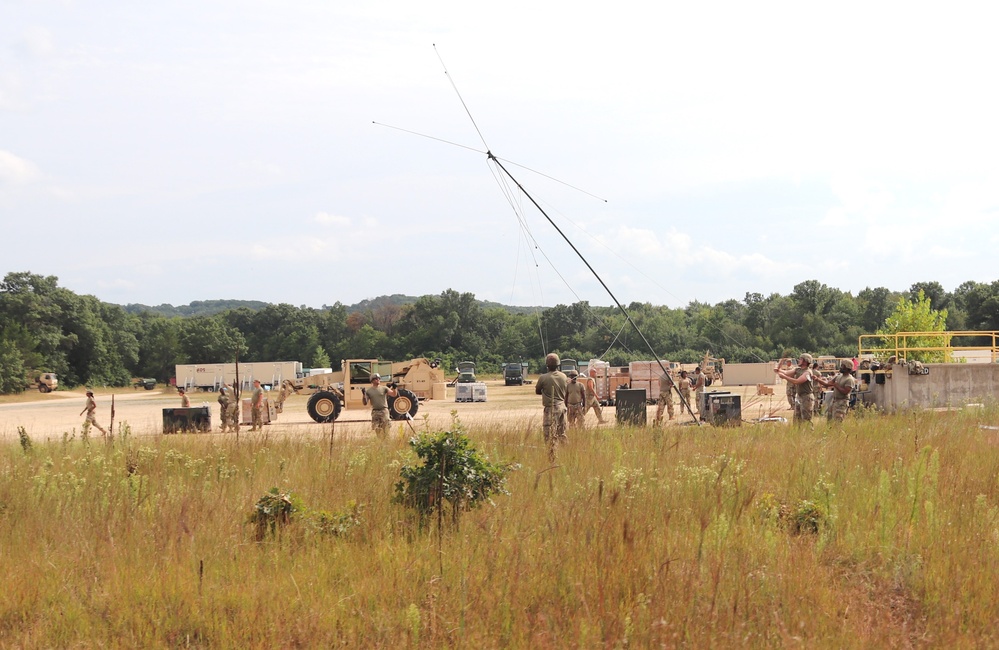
<point>177,151</point>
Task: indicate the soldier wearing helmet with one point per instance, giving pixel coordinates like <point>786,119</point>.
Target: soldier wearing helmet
<point>842,385</point>
<point>801,378</point>
<point>552,388</point>
<point>575,397</point>
<point>377,395</point>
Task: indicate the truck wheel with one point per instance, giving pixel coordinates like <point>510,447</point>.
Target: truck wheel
<point>324,406</point>
<point>43,389</point>
<point>405,403</point>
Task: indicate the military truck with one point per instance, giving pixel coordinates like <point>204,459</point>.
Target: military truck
<point>466,372</point>
<point>332,392</point>
<point>45,382</point>
<point>514,373</point>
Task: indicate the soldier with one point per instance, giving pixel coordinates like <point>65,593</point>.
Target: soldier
<point>90,408</point>
<point>591,397</point>
<point>224,408</point>
<point>665,397</point>
<point>552,388</point>
<point>699,381</point>
<point>185,401</point>
<point>575,396</point>
<point>841,385</point>
<point>683,385</point>
<point>801,379</point>
<point>286,390</point>
<point>789,389</point>
<point>378,396</point>
<point>256,404</point>
<point>816,388</point>
<point>234,410</point>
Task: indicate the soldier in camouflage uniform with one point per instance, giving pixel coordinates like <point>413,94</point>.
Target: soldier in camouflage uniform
<point>801,379</point>
<point>224,408</point>
<point>841,385</point>
<point>591,402</point>
<point>256,405</point>
<point>286,390</point>
<point>552,388</point>
<point>377,395</point>
<point>665,398</point>
<point>575,398</point>
<point>91,420</point>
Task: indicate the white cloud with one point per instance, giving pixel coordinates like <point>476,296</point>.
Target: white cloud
<point>37,41</point>
<point>15,170</point>
<point>331,219</point>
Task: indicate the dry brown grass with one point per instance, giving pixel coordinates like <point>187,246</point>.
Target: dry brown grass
<point>633,537</point>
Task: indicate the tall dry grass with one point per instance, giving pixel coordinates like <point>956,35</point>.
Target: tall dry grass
<point>633,538</point>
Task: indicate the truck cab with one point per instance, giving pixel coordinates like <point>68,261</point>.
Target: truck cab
<point>567,364</point>
<point>466,372</point>
<point>513,374</point>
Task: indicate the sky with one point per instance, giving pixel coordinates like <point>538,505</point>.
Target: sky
<point>315,152</point>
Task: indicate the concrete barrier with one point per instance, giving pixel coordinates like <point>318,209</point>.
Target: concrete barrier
<point>947,385</point>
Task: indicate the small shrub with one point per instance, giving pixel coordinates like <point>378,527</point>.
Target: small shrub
<point>453,472</point>
<point>335,524</point>
<point>25,440</point>
<point>272,512</point>
<point>807,518</point>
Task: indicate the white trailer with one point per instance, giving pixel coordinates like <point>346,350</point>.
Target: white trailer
<point>212,376</point>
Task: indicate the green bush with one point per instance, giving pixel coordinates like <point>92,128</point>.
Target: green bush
<point>453,472</point>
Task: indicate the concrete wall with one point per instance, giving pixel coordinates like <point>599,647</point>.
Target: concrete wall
<point>948,384</point>
<point>749,374</point>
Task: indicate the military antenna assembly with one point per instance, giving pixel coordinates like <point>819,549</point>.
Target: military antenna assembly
<point>491,157</point>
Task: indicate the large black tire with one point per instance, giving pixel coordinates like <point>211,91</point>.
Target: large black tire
<point>405,403</point>
<point>324,406</point>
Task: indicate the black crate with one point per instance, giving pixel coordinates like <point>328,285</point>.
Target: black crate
<point>631,403</point>
<point>190,419</point>
<point>723,409</point>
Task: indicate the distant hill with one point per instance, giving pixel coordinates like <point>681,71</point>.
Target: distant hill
<point>210,307</point>
<point>196,308</point>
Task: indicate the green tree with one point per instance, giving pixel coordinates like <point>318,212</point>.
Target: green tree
<point>916,316</point>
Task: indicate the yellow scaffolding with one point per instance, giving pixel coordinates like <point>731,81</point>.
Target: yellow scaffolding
<point>902,343</point>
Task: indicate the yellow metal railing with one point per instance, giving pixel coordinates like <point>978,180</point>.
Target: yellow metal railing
<point>901,344</point>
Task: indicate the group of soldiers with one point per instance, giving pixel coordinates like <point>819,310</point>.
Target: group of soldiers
<point>229,407</point>
<point>687,387</point>
<point>805,386</point>
<point>566,400</point>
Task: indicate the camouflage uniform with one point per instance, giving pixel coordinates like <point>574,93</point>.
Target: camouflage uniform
<point>700,380</point>
<point>185,401</point>
<point>575,396</point>
<point>286,390</point>
<point>91,420</point>
<point>804,401</point>
<point>591,401</point>
<point>683,385</point>
<point>256,403</point>
<point>224,409</point>
<point>552,388</point>
<point>841,402</point>
<point>380,421</point>
<point>665,398</point>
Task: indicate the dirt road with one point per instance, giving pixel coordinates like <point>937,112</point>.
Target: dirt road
<point>51,415</point>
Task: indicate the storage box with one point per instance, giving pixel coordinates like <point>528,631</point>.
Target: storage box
<point>478,392</point>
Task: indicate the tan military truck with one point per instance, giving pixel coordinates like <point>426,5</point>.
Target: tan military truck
<point>45,382</point>
<point>334,391</point>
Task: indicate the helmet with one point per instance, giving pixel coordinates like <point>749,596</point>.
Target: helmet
<point>572,373</point>
<point>806,357</point>
<point>375,375</point>
<point>846,365</point>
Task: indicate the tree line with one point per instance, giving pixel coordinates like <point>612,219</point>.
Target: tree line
<point>45,327</point>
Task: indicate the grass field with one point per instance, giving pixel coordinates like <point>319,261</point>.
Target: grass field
<point>884,533</point>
